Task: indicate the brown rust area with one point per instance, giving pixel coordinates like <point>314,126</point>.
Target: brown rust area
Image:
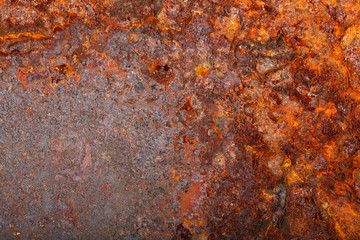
<point>174,119</point>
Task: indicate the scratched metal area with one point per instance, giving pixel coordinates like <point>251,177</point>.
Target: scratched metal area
<point>179,119</point>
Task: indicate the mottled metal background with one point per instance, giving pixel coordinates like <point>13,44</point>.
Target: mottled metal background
<point>179,119</point>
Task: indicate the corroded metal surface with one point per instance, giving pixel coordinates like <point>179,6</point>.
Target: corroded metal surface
<point>179,119</point>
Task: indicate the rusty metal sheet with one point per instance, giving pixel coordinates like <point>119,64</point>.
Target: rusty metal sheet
<point>179,119</point>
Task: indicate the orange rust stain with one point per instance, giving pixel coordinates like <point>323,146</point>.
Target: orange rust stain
<point>202,70</point>
<point>190,200</point>
<point>22,77</point>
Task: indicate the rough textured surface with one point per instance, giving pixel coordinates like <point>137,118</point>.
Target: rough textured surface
<point>179,119</point>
